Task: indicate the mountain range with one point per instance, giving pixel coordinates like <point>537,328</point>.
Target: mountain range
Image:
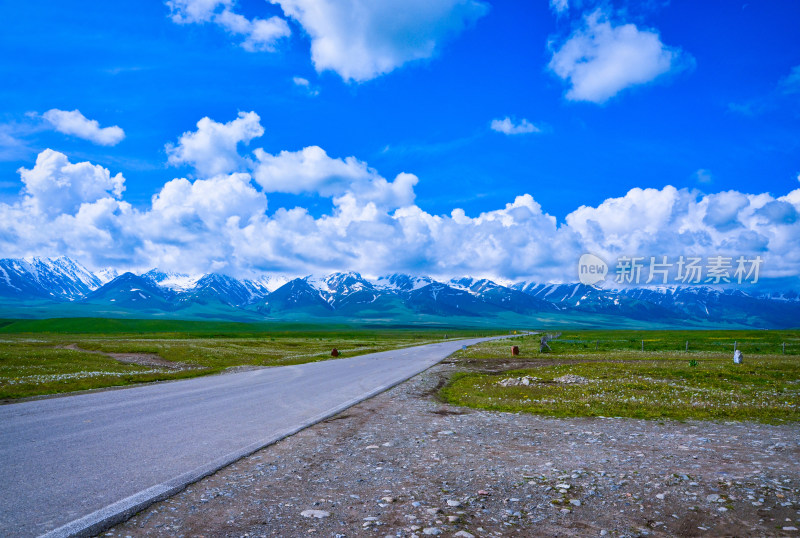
<point>61,287</point>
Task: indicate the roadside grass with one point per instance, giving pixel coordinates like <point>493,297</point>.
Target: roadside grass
<point>602,342</point>
<point>623,381</point>
<point>31,368</point>
<point>36,363</point>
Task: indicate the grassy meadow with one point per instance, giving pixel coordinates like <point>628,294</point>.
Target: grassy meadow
<point>35,360</point>
<point>662,382</point>
<point>665,381</point>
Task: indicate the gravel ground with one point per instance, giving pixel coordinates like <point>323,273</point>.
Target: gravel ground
<point>405,464</point>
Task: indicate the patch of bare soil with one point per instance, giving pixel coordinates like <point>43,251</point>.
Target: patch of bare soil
<point>144,359</point>
<point>403,464</point>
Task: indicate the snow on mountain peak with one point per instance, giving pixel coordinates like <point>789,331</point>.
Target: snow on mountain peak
<point>339,283</point>
<point>106,275</point>
<point>172,281</point>
<point>402,282</point>
<point>50,277</point>
<point>266,283</point>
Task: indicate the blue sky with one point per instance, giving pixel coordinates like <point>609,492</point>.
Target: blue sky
<point>611,96</point>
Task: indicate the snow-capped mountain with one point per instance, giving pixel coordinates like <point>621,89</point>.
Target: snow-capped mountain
<point>345,293</point>
<point>583,298</point>
<point>709,303</point>
<point>264,285</point>
<point>296,295</point>
<point>400,282</point>
<point>397,296</point>
<point>131,292</point>
<point>503,297</point>
<point>215,287</point>
<point>341,290</point>
<point>177,282</point>
<point>106,275</point>
<point>49,278</point>
<point>218,288</point>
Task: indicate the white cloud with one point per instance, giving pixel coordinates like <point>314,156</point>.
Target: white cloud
<point>55,186</point>
<point>76,124</point>
<point>508,127</point>
<point>311,170</point>
<point>600,59</point>
<point>193,11</point>
<point>258,34</point>
<point>675,222</point>
<point>358,39</point>
<point>195,225</point>
<point>301,82</point>
<point>308,170</point>
<point>220,220</point>
<point>559,6</point>
<point>213,148</point>
<point>723,210</point>
<point>362,39</point>
<point>214,201</point>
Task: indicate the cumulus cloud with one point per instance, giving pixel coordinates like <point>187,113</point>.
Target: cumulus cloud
<point>74,123</point>
<point>675,222</point>
<point>311,170</point>
<point>257,34</point>
<point>357,39</point>
<point>213,148</point>
<point>308,170</point>
<point>600,58</point>
<point>220,221</point>
<point>362,39</point>
<point>507,126</point>
<point>55,186</point>
<point>723,209</point>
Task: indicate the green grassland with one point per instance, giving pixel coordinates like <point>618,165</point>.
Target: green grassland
<point>656,341</point>
<point>34,361</point>
<point>661,382</point>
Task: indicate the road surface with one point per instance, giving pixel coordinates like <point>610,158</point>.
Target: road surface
<point>73,466</point>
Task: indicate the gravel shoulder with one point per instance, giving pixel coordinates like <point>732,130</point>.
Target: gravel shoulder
<point>405,464</point>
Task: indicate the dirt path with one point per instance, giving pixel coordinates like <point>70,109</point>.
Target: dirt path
<point>404,464</point>
<point>144,359</point>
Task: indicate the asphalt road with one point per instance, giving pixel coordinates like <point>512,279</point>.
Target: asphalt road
<point>77,464</point>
